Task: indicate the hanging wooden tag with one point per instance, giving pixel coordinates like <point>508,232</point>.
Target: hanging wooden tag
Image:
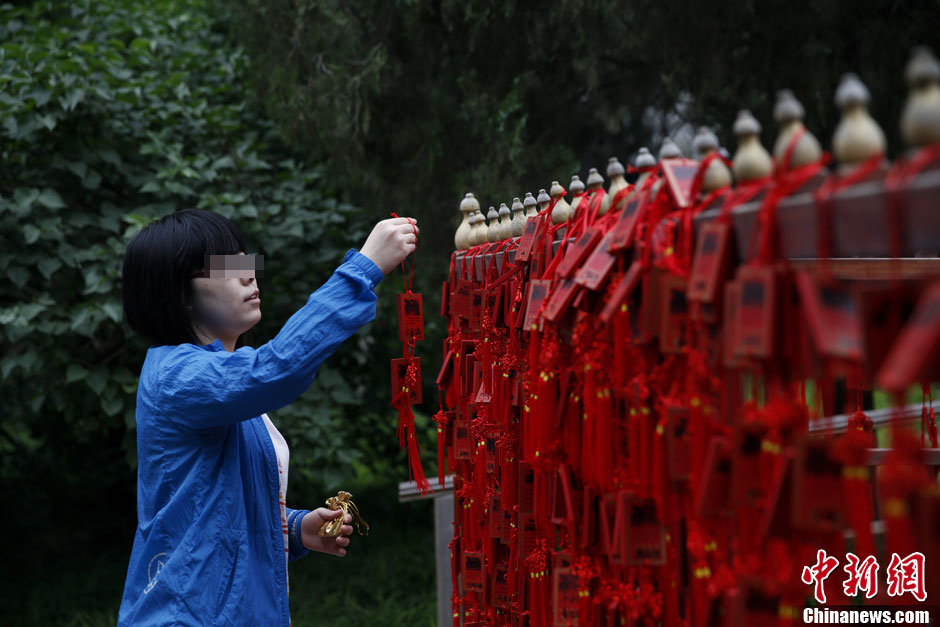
<point>732,298</point>
<point>527,240</point>
<point>501,596</point>
<point>507,527</point>
<point>565,587</point>
<point>884,309</point>
<point>410,317</point>
<point>560,299</point>
<point>679,174</point>
<point>620,297</point>
<point>913,357</point>
<point>752,606</point>
<point>588,521</point>
<point>400,378</point>
<point>597,268</point>
<point>645,541</point>
<point>476,308</point>
<point>578,251</point>
<point>461,434</point>
<point>528,533</point>
<point>538,291</point>
<point>756,314</point>
<point>491,460</point>
<point>612,526</point>
<point>648,323</point>
<point>623,231</point>
<point>710,263</point>
<point>526,488</point>
<point>778,507</point>
<point>713,499</point>
<point>460,304</point>
<point>818,490</point>
<point>474,565</point>
<point>674,314</point>
<point>495,517</point>
<point>678,442</point>
<point>748,490</point>
<point>562,499</point>
<point>832,318</point>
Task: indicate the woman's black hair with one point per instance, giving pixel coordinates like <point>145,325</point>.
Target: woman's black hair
<point>159,263</point>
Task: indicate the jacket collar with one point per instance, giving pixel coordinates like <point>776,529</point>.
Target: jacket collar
<point>214,346</point>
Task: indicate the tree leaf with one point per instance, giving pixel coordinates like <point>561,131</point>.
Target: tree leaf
<point>30,233</point>
<point>51,199</point>
<point>75,372</point>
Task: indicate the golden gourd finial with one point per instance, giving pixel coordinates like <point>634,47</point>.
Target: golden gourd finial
<point>544,200</point>
<point>518,217</point>
<point>467,206</point>
<point>788,112</point>
<point>751,161</point>
<point>530,205</point>
<point>857,137</point>
<point>594,179</point>
<point>615,173</point>
<point>920,120</point>
<point>492,230</point>
<point>717,175</point>
<point>562,210</point>
<point>505,222</point>
<point>669,150</point>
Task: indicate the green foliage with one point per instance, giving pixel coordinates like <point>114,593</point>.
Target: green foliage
<point>114,113</point>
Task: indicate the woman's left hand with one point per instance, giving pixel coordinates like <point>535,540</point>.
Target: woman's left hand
<point>310,527</point>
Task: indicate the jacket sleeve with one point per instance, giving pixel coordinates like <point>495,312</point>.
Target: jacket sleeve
<point>200,388</point>
<point>295,546</point>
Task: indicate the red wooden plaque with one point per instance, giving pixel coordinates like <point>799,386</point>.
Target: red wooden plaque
<point>747,490</point>
<point>679,174</point>
<point>623,291</point>
<point>818,493</point>
<point>756,315</point>
<point>624,229</point>
<point>399,373</point>
<point>560,299</point>
<point>598,266</point>
<point>501,596</point>
<point>913,357</point>
<point>678,442</point>
<point>710,263</point>
<point>538,291</point>
<point>578,251</point>
<point>674,314</point>
<point>461,436</point>
<point>495,517</point>
<point>565,599</point>
<point>731,300</point>
<point>645,541</point>
<point>527,241</point>
<point>410,317</point>
<point>832,318</point>
<point>612,531</point>
<point>713,499</point>
<point>474,569</point>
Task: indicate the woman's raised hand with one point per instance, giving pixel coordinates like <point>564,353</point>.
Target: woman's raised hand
<point>310,531</point>
<point>390,242</point>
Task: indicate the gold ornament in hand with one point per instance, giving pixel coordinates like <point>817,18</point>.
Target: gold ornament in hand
<point>342,501</point>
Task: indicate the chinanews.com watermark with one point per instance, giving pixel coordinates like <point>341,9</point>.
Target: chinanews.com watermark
<point>904,578</point>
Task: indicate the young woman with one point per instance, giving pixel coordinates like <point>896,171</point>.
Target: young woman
<point>214,534</point>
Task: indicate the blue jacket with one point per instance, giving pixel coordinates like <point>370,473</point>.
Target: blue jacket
<point>209,548</point>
